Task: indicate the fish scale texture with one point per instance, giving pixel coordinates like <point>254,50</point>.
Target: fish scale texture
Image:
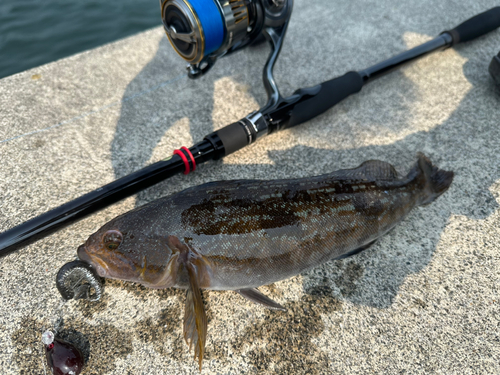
<point>424,299</point>
<point>249,233</point>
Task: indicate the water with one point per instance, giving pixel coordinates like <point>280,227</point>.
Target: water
<point>35,32</point>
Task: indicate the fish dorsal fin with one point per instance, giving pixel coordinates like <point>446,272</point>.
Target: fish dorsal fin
<point>255,296</point>
<point>195,319</point>
<point>369,170</point>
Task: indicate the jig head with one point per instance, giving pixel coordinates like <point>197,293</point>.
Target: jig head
<point>78,280</point>
<point>63,358</point>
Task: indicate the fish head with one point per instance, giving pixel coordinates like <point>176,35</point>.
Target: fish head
<point>119,252</point>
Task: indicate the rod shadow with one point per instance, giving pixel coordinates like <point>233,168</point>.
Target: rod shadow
<point>151,108</point>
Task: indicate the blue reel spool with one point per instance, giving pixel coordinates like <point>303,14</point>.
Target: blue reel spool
<point>211,22</point>
<point>196,28</point>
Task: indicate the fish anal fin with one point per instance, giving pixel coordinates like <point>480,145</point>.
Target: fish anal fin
<point>195,318</point>
<point>255,296</point>
<point>357,251</point>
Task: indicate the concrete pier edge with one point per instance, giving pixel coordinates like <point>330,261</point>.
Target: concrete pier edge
<point>424,299</point>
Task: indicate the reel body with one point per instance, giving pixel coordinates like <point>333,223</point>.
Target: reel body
<point>201,31</point>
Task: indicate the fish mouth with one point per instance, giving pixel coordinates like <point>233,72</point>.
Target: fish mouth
<point>100,266</point>
<point>82,254</point>
<point>117,267</point>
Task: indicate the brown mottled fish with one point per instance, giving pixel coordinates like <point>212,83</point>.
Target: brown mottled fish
<point>239,235</point>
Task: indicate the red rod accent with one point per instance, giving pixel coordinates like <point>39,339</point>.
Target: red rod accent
<point>190,156</point>
<point>184,159</point>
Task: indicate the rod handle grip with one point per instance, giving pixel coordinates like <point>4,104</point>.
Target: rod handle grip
<point>476,26</point>
<point>324,96</point>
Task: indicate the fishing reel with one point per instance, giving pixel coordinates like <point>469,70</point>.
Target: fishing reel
<point>201,31</point>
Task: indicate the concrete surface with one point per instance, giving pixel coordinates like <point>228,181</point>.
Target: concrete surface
<point>425,299</point>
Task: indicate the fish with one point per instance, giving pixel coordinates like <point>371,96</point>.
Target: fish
<point>241,234</point>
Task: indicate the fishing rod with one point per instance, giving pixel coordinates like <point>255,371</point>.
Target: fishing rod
<point>202,32</point>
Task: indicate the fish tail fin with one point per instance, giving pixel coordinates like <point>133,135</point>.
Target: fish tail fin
<point>435,181</point>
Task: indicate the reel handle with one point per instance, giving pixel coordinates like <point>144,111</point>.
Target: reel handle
<point>476,26</point>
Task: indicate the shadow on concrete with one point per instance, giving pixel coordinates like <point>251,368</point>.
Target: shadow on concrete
<point>100,345</point>
<point>374,280</point>
<point>143,122</point>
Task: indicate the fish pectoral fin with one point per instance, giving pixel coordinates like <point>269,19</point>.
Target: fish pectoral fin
<point>357,251</point>
<point>255,296</point>
<point>195,319</point>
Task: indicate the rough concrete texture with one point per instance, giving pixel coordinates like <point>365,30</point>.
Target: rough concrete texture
<point>425,299</point>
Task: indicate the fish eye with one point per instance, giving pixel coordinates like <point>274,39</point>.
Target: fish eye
<point>112,239</point>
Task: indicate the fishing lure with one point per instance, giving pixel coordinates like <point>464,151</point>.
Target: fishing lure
<point>62,357</point>
<point>239,235</point>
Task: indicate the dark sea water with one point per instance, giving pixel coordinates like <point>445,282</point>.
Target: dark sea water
<point>35,32</point>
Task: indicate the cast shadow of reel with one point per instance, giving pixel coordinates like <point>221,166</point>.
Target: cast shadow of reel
<point>143,121</point>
